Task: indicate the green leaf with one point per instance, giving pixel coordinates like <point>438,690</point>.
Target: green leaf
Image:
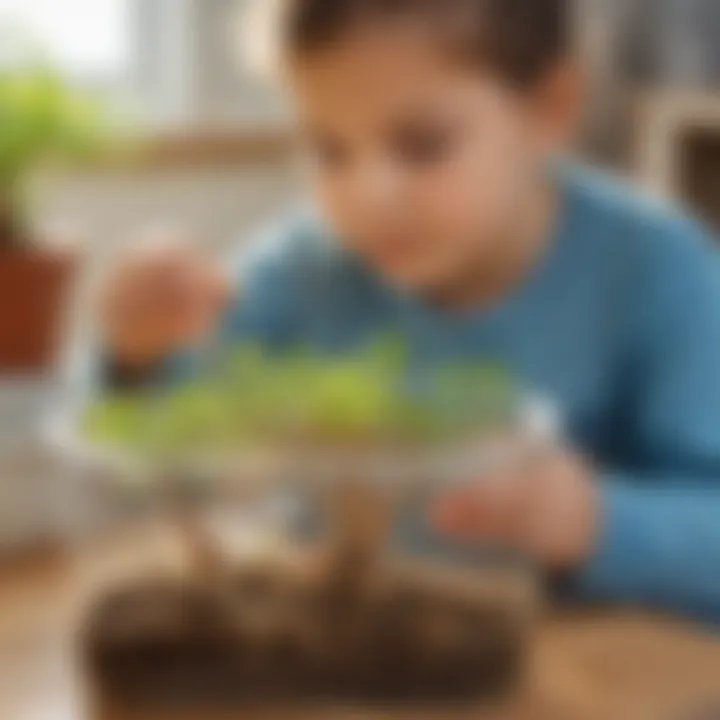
<point>363,398</point>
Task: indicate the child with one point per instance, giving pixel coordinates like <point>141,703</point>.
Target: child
<point>435,127</point>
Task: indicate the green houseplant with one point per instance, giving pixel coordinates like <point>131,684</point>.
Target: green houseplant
<point>43,121</point>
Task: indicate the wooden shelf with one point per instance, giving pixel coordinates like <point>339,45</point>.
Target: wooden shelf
<point>678,149</point>
<point>663,120</point>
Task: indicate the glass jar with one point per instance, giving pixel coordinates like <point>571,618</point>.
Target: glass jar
<point>213,598</point>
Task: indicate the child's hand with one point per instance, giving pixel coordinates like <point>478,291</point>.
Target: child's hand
<point>547,506</point>
<point>161,297</point>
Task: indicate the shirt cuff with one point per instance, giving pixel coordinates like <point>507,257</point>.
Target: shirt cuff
<point>616,570</point>
<point>116,377</point>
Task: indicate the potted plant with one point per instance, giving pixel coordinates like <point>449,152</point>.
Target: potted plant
<point>42,121</point>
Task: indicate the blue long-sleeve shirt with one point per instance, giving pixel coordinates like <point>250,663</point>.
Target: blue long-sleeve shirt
<point>619,325</point>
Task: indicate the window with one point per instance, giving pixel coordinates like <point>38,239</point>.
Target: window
<point>88,39</point>
<point>171,62</point>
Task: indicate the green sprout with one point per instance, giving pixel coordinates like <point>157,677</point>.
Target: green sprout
<point>302,397</point>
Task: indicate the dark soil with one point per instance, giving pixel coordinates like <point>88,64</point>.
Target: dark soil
<point>269,636</point>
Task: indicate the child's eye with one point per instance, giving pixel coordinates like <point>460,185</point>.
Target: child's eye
<point>422,146</point>
<point>329,154</point>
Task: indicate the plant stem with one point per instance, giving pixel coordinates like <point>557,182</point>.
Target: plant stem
<point>205,554</point>
<point>360,515</point>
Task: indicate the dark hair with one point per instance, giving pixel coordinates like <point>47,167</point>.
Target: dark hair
<point>521,40</point>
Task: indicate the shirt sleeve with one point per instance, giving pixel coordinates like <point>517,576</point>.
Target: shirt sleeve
<point>268,274</point>
<point>660,540</point>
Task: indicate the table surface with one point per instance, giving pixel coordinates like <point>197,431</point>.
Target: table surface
<point>584,666</point>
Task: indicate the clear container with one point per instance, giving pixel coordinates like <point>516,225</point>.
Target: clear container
<point>208,596</point>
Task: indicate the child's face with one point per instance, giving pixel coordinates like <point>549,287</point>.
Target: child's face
<point>423,165</point>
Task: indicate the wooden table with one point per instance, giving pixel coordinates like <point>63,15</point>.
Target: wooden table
<point>586,666</point>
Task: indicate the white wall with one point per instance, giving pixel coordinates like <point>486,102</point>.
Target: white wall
<point>219,205</point>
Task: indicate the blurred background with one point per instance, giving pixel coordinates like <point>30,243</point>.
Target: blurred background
<point>212,154</point>
<point>217,160</point>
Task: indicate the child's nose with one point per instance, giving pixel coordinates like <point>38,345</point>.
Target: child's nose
<point>378,188</point>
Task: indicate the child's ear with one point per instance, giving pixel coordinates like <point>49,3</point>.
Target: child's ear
<point>558,106</point>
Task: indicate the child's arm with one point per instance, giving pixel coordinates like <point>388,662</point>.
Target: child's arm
<point>646,531</point>
<point>660,540</point>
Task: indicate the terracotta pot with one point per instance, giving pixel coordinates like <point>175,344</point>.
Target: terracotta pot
<point>33,289</point>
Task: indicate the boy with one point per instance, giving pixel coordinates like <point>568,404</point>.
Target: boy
<point>435,128</point>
